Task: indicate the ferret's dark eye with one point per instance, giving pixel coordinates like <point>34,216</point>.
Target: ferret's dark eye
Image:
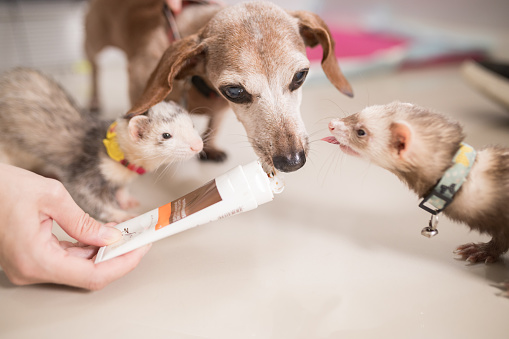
<point>298,79</point>
<point>166,136</point>
<point>236,94</point>
<point>361,132</point>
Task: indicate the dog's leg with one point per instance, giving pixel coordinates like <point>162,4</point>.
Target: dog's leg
<point>91,52</point>
<point>210,151</point>
<point>94,100</point>
<point>138,73</point>
<point>144,60</point>
<point>215,108</point>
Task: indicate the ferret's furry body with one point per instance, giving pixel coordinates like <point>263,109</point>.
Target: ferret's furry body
<point>42,129</point>
<point>418,146</point>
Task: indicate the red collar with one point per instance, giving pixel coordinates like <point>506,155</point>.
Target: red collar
<point>138,169</point>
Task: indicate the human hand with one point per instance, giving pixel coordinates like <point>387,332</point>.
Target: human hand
<point>174,5</point>
<point>30,253</point>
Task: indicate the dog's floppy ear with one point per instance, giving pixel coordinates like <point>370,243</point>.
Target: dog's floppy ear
<point>315,31</point>
<point>178,61</point>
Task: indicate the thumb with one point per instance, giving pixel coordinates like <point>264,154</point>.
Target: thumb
<point>89,231</point>
<point>74,221</point>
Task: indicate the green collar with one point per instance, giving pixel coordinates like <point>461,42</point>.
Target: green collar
<point>450,183</point>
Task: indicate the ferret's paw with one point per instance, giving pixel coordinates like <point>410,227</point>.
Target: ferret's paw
<point>475,253</point>
<point>129,203</point>
<point>125,200</point>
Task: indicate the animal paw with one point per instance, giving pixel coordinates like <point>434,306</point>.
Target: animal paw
<point>129,203</point>
<point>213,154</point>
<point>475,253</point>
<point>125,200</point>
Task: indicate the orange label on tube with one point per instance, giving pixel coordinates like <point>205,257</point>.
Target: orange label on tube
<point>164,214</point>
<point>203,197</point>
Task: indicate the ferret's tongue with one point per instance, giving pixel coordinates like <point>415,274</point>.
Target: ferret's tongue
<point>331,140</point>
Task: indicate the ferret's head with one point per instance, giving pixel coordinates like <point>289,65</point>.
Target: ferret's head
<point>399,137</point>
<point>164,134</point>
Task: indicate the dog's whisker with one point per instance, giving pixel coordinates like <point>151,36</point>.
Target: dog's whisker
<point>196,110</point>
<point>337,105</point>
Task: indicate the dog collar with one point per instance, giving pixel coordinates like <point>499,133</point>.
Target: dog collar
<point>203,88</point>
<point>114,151</point>
<point>173,32</point>
<point>443,193</point>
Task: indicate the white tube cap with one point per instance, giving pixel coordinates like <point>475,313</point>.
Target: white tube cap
<point>258,181</point>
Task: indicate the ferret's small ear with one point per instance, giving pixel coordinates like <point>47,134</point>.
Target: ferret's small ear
<point>137,127</point>
<point>401,138</point>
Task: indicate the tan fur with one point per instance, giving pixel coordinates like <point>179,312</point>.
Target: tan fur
<point>137,27</point>
<point>256,45</point>
<point>418,146</point>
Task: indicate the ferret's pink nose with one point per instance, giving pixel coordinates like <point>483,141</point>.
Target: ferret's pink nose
<point>197,145</point>
<point>336,125</point>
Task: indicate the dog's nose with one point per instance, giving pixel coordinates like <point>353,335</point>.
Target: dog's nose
<point>289,163</point>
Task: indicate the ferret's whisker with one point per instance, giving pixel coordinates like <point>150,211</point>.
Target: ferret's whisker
<point>168,164</point>
<point>322,169</point>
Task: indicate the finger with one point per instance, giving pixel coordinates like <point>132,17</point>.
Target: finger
<point>175,5</point>
<point>84,252</point>
<point>59,206</point>
<point>65,244</point>
<point>77,272</point>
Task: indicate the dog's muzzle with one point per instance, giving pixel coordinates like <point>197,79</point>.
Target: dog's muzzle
<point>290,162</point>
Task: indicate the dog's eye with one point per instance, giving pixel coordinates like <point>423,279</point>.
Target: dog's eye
<point>361,132</point>
<point>298,79</point>
<point>236,94</point>
<point>166,135</point>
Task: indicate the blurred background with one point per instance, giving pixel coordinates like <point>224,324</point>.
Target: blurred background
<point>371,35</point>
<point>339,253</point>
<point>43,33</point>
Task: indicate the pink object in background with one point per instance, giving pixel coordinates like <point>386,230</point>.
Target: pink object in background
<point>358,44</point>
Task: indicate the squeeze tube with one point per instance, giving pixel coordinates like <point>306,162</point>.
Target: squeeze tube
<point>241,189</point>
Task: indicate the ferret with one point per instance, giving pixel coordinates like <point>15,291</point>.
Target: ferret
<point>418,145</point>
<point>42,129</point>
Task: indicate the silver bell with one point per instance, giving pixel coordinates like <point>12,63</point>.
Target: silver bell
<point>431,230</point>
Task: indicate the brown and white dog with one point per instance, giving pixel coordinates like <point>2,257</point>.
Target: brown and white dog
<point>250,57</point>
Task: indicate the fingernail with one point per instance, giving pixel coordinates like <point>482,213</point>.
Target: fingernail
<point>110,234</point>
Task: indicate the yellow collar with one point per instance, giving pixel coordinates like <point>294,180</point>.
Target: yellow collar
<point>114,151</point>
